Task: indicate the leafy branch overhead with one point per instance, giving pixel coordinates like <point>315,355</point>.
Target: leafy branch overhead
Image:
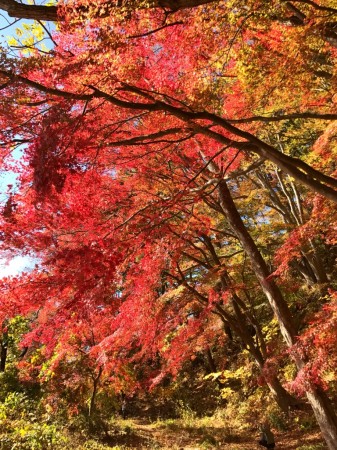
<point>176,185</point>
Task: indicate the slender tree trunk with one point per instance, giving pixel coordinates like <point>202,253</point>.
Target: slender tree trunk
<point>211,366</point>
<point>284,400</point>
<point>210,361</point>
<point>304,269</point>
<point>242,323</point>
<point>282,397</point>
<point>270,289</point>
<point>325,416</point>
<point>3,355</point>
<point>94,392</point>
<point>311,267</point>
<point>320,403</point>
<point>241,327</point>
<point>317,264</point>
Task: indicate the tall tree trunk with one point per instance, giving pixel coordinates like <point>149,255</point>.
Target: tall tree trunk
<point>241,327</point>
<point>259,266</point>
<point>94,392</point>
<point>3,354</point>
<point>211,366</point>
<point>282,397</point>
<point>242,322</point>
<point>325,415</point>
<point>316,263</point>
<point>320,403</point>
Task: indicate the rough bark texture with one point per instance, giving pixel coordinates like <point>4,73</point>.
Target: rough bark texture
<point>34,12</point>
<point>284,400</point>
<point>3,355</point>
<point>325,416</point>
<point>320,403</point>
<point>49,13</point>
<point>94,392</point>
<point>259,266</point>
<point>241,327</point>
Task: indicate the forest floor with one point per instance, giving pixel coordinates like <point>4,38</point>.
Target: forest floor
<point>176,435</point>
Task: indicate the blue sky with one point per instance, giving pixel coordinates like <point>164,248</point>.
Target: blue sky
<point>7,30</point>
<point>18,264</point>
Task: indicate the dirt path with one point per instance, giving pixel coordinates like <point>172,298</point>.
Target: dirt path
<point>155,436</point>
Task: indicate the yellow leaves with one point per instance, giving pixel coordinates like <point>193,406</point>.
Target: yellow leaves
<point>228,377</point>
<point>28,38</point>
<point>12,41</point>
<point>35,358</point>
<point>34,29</point>
<point>239,373</point>
<point>271,331</point>
<point>329,376</point>
<point>226,393</point>
<point>173,294</point>
<point>213,376</point>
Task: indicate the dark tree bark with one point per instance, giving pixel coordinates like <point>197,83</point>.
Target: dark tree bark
<point>241,321</point>
<point>34,12</point>
<point>49,13</point>
<point>320,403</point>
<point>240,326</point>
<point>296,168</point>
<point>96,380</point>
<point>3,355</point>
<point>259,266</point>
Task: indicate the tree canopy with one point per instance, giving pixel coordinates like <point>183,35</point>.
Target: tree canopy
<point>177,188</point>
